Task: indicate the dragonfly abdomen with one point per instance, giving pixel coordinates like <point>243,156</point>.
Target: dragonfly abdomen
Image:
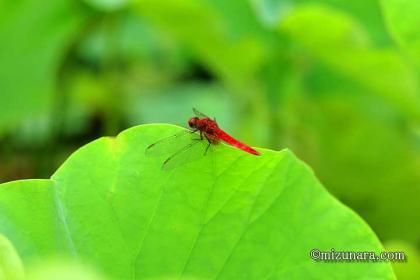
<point>236,143</point>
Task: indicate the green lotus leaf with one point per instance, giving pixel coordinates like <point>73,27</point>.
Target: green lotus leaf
<point>225,215</point>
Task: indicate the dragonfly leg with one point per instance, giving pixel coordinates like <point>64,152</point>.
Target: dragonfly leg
<point>208,146</point>
<point>201,137</point>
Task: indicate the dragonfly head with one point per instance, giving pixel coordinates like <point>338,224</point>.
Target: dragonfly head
<point>193,122</point>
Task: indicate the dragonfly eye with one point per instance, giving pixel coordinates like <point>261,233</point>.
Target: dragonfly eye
<point>193,122</point>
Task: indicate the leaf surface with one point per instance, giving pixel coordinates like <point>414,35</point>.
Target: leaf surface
<point>227,215</point>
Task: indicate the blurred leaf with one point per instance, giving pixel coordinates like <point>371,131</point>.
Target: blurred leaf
<point>207,27</point>
<point>271,12</point>
<point>174,103</point>
<point>10,264</point>
<point>340,35</point>
<point>403,22</point>
<point>124,37</point>
<point>34,38</point>
<point>349,115</point>
<point>411,268</point>
<point>367,13</point>
<point>343,46</point>
<point>107,5</point>
<point>348,135</point>
<point>226,215</point>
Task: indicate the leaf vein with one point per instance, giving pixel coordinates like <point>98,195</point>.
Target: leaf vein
<point>247,224</point>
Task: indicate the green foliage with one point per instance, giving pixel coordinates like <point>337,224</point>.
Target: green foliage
<point>33,38</point>
<point>225,215</point>
<point>230,38</point>
<point>403,22</point>
<point>335,81</point>
<point>354,111</point>
<point>407,270</point>
<point>381,71</point>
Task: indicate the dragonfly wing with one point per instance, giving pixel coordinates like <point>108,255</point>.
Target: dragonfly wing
<point>189,153</point>
<point>199,114</point>
<point>171,144</point>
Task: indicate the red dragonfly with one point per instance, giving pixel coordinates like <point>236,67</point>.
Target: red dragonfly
<point>208,130</point>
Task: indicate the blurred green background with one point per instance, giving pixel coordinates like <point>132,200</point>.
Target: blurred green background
<point>335,81</point>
